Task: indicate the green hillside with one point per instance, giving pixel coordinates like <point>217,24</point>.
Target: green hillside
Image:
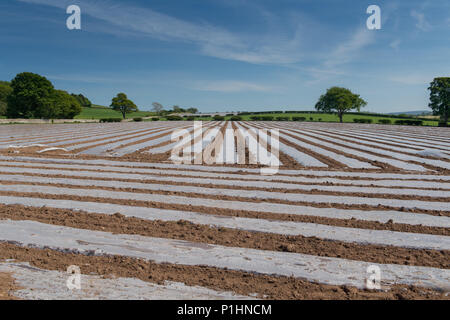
<point>100,112</point>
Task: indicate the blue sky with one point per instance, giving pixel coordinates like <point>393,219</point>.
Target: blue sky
<point>231,55</point>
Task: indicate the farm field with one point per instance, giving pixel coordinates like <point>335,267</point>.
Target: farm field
<point>108,198</point>
<point>328,117</point>
<point>100,112</point>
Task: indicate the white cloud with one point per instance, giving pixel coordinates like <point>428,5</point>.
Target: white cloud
<point>348,50</point>
<point>212,41</point>
<point>421,21</point>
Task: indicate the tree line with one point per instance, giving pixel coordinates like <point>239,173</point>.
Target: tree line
<point>341,100</point>
<point>30,95</point>
<point>160,111</point>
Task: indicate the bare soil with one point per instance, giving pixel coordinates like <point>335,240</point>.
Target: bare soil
<point>7,286</point>
<point>184,230</point>
<point>243,283</point>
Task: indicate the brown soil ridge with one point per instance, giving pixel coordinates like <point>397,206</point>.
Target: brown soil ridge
<point>369,139</point>
<point>184,230</point>
<point>408,134</point>
<point>114,134</point>
<point>381,165</point>
<point>139,157</point>
<point>332,164</point>
<point>7,286</point>
<point>118,140</point>
<point>287,161</point>
<point>232,187</point>
<point>326,134</point>
<point>342,144</point>
<point>349,223</point>
<point>143,155</point>
<point>240,199</point>
<point>36,165</point>
<point>151,138</point>
<point>168,174</point>
<point>243,283</point>
<point>386,143</point>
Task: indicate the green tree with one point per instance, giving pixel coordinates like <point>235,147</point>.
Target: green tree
<point>177,109</point>
<point>29,97</point>
<point>63,106</point>
<point>84,102</point>
<point>122,104</point>
<point>192,110</point>
<point>440,98</point>
<point>157,108</point>
<point>5,91</point>
<point>340,100</point>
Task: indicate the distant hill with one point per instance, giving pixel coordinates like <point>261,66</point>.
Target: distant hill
<point>413,113</point>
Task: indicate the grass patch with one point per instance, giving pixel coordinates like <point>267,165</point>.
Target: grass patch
<point>328,117</point>
<point>97,112</point>
<point>100,112</point>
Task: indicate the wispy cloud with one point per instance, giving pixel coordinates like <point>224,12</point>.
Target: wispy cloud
<point>212,41</point>
<point>421,21</point>
<point>349,50</point>
<point>146,21</point>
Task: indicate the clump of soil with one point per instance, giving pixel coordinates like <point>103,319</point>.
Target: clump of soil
<point>7,286</point>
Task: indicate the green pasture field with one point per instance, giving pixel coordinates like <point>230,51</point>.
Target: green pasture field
<point>325,117</point>
<point>99,112</point>
<point>329,117</point>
